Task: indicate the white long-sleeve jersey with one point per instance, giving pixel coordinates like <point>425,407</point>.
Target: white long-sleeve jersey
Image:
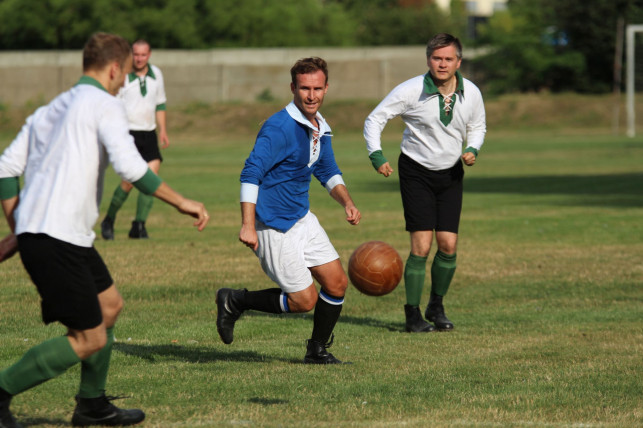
<point>63,150</point>
<point>426,139</point>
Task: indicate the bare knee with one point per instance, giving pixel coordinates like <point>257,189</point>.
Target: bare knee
<point>111,308</point>
<point>85,343</point>
<point>303,301</point>
<point>338,286</point>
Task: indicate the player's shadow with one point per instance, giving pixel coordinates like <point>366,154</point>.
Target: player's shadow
<point>27,422</point>
<point>372,322</point>
<point>348,319</point>
<point>192,354</point>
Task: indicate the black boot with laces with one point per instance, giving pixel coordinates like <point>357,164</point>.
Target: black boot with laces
<point>100,411</point>
<point>316,353</point>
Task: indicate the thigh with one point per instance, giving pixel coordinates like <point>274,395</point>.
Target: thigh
<point>68,278</point>
<point>418,198</point>
<point>331,277</point>
<point>449,201</point>
<point>282,259</point>
<point>147,145</point>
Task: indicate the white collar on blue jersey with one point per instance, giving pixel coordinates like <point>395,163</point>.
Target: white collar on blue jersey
<point>297,115</point>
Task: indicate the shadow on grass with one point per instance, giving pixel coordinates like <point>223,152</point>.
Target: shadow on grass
<point>624,190</point>
<point>26,422</point>
<point>359,321</point>
<point>191,354</point>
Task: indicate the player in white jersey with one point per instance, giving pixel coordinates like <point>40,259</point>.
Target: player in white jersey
<point>62,151</point>
<point>441,110</point>
<point>144,97</point>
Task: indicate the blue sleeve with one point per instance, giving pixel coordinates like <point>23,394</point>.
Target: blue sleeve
<point>326,167</point>
<point>263,157</point>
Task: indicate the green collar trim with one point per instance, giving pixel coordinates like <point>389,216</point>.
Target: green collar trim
<point>86,80</point>
<point>132,76</point>
<point>431,89</point>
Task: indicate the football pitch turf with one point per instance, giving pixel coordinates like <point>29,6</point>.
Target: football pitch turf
<point>547,300</point>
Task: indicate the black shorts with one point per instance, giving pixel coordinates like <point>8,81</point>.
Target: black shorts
<point>68,277</point>
<point>432,200</point>
<point>147,144</point>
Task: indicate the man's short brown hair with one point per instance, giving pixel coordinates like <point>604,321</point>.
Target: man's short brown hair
<point>443,40</point>
<point>308,65</point>
<point>104,48</point>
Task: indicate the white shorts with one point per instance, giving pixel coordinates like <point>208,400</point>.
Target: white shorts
<point>287,257</point>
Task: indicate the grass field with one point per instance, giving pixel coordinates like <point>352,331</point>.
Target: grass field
<point>547,299</point>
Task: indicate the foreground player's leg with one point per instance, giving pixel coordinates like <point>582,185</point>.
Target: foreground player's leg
<point>414,274</point>
<point>442,271</point>
<point>93,407</point>
<point>39,364</point>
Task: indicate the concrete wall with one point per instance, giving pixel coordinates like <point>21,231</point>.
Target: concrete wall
<point>221,74</point>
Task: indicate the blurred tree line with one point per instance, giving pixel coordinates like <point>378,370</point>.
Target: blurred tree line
<point>534,45</point>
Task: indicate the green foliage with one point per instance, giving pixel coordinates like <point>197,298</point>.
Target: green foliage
<point>558,45</point>
<point>193,24</point>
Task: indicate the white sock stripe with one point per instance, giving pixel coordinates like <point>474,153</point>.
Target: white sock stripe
<point>331,300</point>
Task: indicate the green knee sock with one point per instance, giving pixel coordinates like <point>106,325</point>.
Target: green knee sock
<point>414,273</point>
<point>39,364</point>
<point>93,370</point>
<point>442,271</point>
<point>143,206</point>
<point>118,199</point>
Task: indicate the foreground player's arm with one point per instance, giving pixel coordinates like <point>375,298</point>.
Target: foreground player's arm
<point>341,195</point>
<point>248,233</point>
<point>9,245</point>
<point>151,184</point>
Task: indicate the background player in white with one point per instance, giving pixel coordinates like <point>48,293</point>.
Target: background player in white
<point>441,110</point>
<point>63,150</point>
<point>144,97</point>
<point>277,223</point>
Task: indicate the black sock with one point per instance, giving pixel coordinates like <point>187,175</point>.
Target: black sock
<point>271,300</point>
<point>327,312</point>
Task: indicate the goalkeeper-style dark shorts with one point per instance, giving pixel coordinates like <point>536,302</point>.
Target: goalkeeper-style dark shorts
<point>68,278</point>
<point>432,200</point>
<point>147,143</point>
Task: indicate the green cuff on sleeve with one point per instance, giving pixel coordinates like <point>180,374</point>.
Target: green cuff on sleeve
<point>148,183</point>
<point>9,187</point>
<point>471,150</point>
<point>160,107</point>
<point>377,159</point>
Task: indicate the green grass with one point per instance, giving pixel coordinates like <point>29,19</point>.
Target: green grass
<point>547,301</point>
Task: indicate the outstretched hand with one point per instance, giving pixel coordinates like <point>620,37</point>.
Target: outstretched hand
<point>196,210</point>
<point>353,216</point>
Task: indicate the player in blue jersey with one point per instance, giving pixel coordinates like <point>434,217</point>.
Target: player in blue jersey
<point>277,224</point>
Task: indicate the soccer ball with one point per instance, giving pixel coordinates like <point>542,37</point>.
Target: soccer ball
<point>375,268</point>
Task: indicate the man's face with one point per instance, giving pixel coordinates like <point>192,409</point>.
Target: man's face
<point>141,56</point>
<point>309,92</point>
<point>443,63</point>
<point>118,75</point>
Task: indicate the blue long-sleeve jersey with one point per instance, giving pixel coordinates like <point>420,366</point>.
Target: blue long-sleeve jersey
<point>281,164</point>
